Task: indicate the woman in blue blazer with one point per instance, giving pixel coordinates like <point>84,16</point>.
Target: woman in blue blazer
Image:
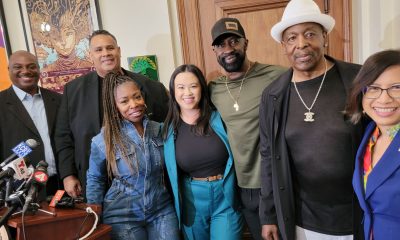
<point>376,180</point>
<point>199,161</point>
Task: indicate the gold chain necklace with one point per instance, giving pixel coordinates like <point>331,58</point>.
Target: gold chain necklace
<point>310,115</point>
<point>235,100</point>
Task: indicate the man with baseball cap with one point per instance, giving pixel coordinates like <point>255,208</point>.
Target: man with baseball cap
<point>307,145</point>
<point>237,97</point>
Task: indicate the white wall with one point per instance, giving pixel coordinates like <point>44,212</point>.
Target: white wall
<point>145,27</point>
<point>376,26</point>
<point>14,25</point>
<point>141,27</point>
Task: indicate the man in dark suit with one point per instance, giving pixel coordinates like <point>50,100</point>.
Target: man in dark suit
<point>80,116</point>
<point>29,112</point>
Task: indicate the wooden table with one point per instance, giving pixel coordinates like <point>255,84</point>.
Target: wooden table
<point>66,224</point>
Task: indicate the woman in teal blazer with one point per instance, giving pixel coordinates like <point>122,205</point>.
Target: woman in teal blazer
<point>376,179</point>
<point>199,161</point>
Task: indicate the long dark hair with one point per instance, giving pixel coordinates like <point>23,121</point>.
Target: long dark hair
<point>114,139</point>
<point>206,107</point>
<point>373,67</point>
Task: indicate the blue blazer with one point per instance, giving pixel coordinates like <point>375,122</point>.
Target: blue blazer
<point>381,200</point>
<point>229,184</point>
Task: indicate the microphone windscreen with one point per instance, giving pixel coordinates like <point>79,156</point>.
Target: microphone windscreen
<point>32,143</point>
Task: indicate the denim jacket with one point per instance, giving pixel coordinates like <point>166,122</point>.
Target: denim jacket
<point>132,196</point>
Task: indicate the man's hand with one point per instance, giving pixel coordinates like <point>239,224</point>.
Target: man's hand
<point>72,186</point>
<point>269,232</point>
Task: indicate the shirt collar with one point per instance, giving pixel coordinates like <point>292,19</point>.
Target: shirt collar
<point>126,123</point>
<point>21,94</point>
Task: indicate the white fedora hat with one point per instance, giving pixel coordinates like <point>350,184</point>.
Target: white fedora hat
<point>301,11</point>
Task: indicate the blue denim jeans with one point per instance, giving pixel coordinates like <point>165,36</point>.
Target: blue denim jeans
<point>163,227</point>
<point>206,214</point>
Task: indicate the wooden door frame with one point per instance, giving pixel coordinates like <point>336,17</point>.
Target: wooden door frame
<point>191,36</point>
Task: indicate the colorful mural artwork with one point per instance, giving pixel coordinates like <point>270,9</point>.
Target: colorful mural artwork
<point>60,32</point>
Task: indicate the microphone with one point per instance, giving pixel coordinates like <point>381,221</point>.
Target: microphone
<point>17,168</point>
<point>39,179</point>
<point>21,150</point>
<point>14,200</point>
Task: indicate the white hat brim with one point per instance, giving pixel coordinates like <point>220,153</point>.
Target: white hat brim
<point>325,20</point>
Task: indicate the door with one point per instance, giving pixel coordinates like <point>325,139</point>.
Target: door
<point>196,18</point>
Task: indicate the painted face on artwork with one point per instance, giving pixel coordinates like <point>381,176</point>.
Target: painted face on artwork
<point>64,42</point>
<point>105,54</point>
<point>24,71</point>
<point>187,91</point>
<point>385,109</point>
<point>303,45</point>
<point>231,52</point>
<point>130,102</point>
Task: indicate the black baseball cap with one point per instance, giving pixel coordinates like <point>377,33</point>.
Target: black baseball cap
<point>227,26</point>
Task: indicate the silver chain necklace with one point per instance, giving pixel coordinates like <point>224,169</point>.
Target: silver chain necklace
<point>235,101</point>
<point>310,115</point>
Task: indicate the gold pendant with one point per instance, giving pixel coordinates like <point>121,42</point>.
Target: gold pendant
<point>309,117</point>
<point>236,106</point>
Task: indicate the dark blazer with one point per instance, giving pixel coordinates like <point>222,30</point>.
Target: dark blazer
<point>79,119</point>
<point>277,195</point>
<point>17,126</point>
<point>381,201</point>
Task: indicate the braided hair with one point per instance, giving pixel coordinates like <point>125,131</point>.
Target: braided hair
<point>115,140</point>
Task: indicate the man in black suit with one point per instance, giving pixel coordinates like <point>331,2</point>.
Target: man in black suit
<point>80,116</point>
<point>29,112</point>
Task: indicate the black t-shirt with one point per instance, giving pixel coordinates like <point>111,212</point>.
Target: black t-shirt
<point>321,153</point>
<point>199,156</point>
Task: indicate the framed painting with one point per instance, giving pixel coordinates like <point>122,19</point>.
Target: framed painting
<point>145,65</point>
<point>57,32</point>
<point>5,51</point>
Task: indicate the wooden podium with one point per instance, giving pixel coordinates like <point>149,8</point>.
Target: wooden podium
<point>66,224</point>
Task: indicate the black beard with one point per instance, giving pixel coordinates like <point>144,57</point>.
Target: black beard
<point>234,66</point>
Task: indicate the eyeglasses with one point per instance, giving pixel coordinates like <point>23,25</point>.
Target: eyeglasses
<point>232,42</point>
<point>374,92</point>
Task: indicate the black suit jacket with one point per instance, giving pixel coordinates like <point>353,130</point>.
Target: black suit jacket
<point>17,126</point>
<point>79,119</point>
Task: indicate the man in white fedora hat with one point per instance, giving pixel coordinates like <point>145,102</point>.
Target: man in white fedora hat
<point>307,145</point>
<point>237,96</point>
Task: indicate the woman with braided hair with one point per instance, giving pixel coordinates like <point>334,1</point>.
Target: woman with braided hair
<point>128,152</point>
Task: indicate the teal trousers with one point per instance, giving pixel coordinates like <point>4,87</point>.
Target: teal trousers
<point>206,214</point>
